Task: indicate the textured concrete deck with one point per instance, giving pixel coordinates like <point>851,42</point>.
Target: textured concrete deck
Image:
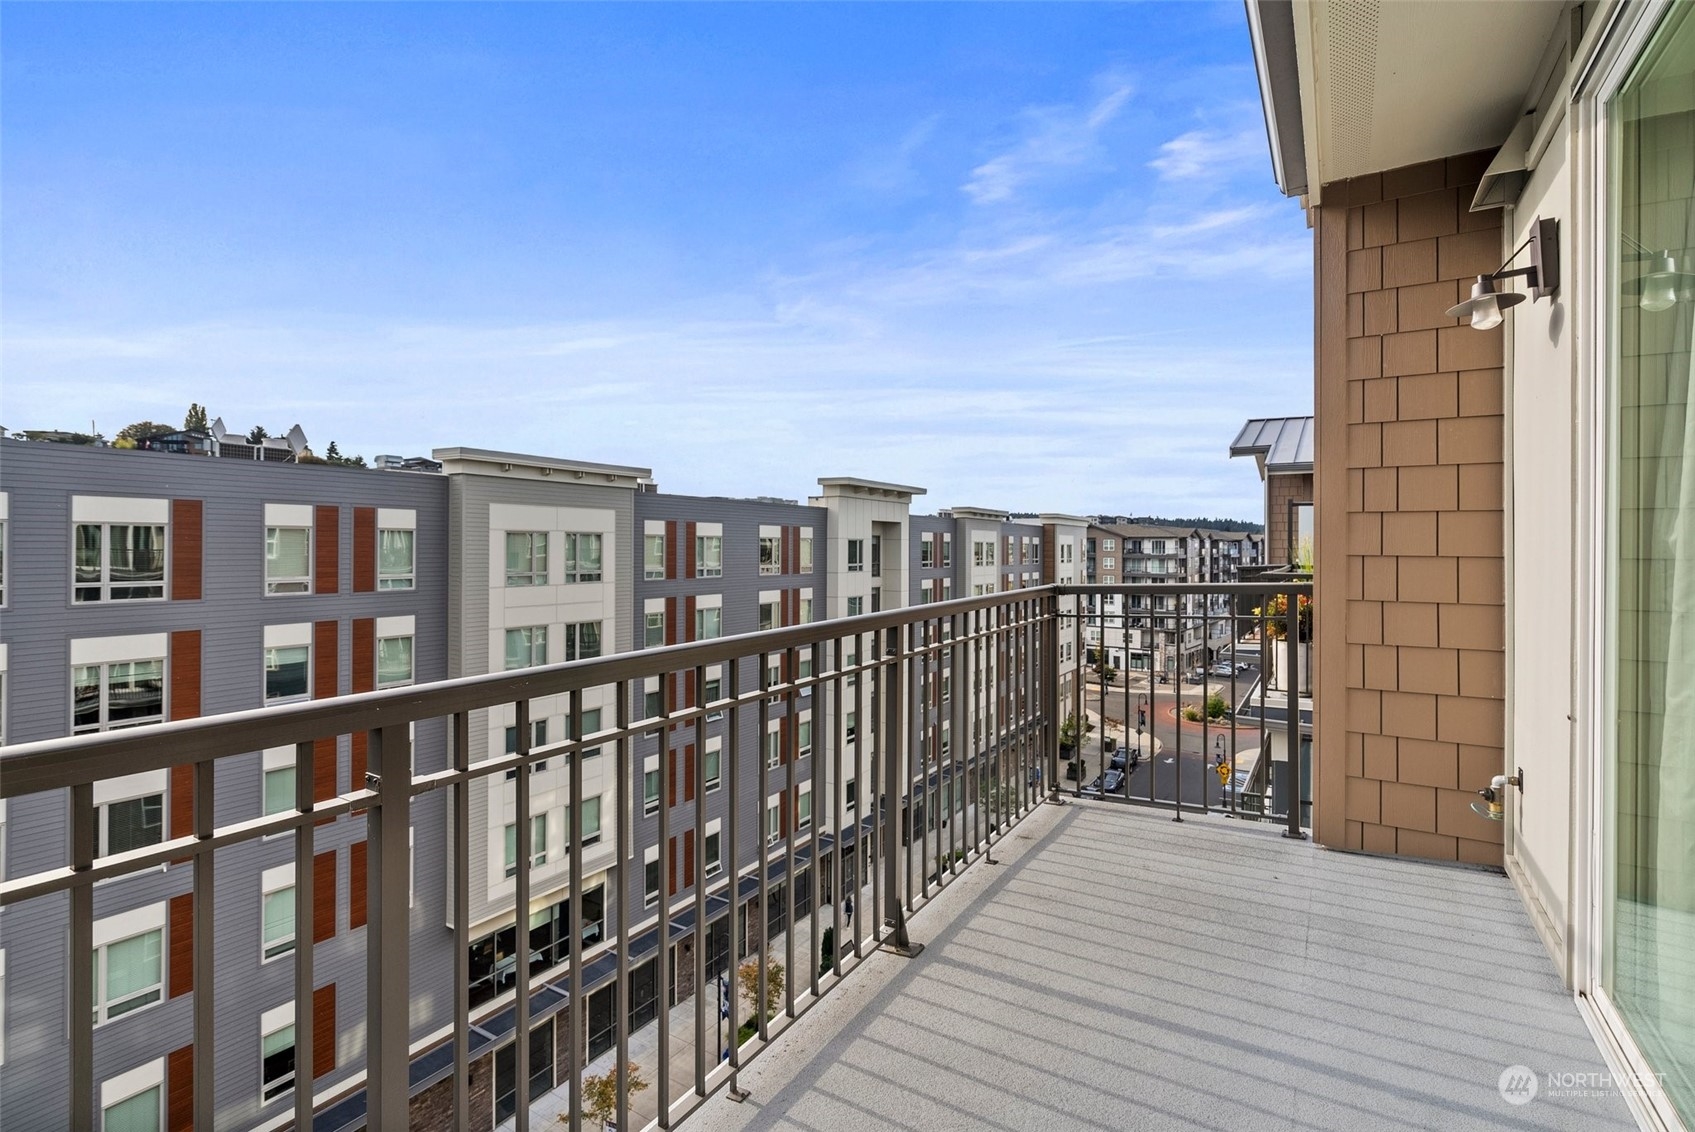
<point>1118,971</point>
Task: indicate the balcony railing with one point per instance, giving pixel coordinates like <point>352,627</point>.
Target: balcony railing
<point>949,711</point>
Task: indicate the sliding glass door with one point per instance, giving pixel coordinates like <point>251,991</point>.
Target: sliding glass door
<point>1649,953</point>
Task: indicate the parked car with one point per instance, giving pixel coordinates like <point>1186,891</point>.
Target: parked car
<point>1125,755</point>
<point>1114,783</point>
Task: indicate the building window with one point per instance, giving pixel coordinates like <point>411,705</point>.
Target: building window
<point>591,724</point>
<point>773,749</point>
<point>526,647</point>
<point>279,788</point>
<point>653,557</point>
<point>947,549</point>
<point>773,675</point>
<point>714,693</point>
<point>709,556</point>
<point>142,1111</point>
<point>650,785</point>
<point>120,562</point>
<point>538,738</point>
<point>804,732</point>
<point>277,912</point>
<point>773,823</point>
<point>287,671</point>
<point>121,694</point>
<point>396,560</point>
<point>803,809</point>
<point>855,606</point>
<point>589,812</point>
<point>927,550</point>
<point>770,554</point>
<point>805,610</point>
<point>276,1056</point>
<point>850,796</point>
<point>526,558</point>
<point>850,726</point>
<point>712,766</point>
<point>129,974</point>
<point>856,555</point>
<point>653,629</point>
<point>714,851</point>
<point>582,640</point>
<point>288,560</point>
<point>582,558</point>
<point>767,615</point>
<point>708,623</point>
<point>1109,563</point>
<point>806,554</point>
<point>650,876</point>
<point>394,661</point>
<point>130,823</point>
<point>538,844</point>
<point>983,553</point>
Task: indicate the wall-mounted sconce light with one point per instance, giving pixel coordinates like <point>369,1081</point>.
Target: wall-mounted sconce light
<point>1661,283</point>
<point>1493,807</point>
<point>1543,277</point>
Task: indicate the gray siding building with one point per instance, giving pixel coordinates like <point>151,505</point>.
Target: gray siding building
<point>142,586</point>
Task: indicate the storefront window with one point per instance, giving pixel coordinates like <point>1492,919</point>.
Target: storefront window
<point>1650,952</point>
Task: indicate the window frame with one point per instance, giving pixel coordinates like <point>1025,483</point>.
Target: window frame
<point>574,542</point>
<point>270,885</point>
<point>103,1004</point>
<point>855,556</point>
<point>104,586</point>
<point>411,660</point>
<point>573,640</point>
<point>394,582</point>
<point>287,585</point>
<point>537,573</point>
<point>714,543</point>
<point>537,639</point>
<point>653,564</point>
<point>104,721</point>
<point>770,554</point>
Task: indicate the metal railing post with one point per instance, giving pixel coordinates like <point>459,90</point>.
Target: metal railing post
<point>899,779</point>
<point>81,974</point>
<point>304,903</point>
<point>1292,639</point>
<point>388,999</point>
<point>460,863</point>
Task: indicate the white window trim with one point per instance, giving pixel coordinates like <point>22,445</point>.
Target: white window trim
<point>650,765</point>
<point>650,856</point>
<point>150,1075</point>
<point>125,926</point>
<point>714,745</point>
<point>270,1022</point>
<point>714,828</point>
<point>272,881</point>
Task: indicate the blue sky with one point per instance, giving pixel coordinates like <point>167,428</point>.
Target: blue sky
<point>1026,256</point>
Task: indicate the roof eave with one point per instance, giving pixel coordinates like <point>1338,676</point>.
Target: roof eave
<point>1271,28</point>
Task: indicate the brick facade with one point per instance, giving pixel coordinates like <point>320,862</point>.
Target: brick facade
<point>1411,686</point>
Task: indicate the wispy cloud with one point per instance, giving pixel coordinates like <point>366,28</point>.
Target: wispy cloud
<point>1062,137</point>
<point>1208,154</point>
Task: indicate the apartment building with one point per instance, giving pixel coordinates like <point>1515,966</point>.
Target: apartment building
<point>1165,635</point>
<point>168,584</point>
<point>143,586</point>
<point>1502,211</point>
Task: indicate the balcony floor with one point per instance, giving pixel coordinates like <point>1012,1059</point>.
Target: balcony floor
<point>1120,971</point>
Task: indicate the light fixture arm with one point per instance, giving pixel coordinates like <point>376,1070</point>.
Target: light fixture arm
<point>1543,274</point>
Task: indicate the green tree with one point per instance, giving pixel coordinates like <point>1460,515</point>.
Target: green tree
<point>827,951</point>
<point>600,1093</point>
<point>1216,707</point>
<point>196,418</point>
<point>142,428</point>
<point>748,976</point>
<point>257,434</point>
